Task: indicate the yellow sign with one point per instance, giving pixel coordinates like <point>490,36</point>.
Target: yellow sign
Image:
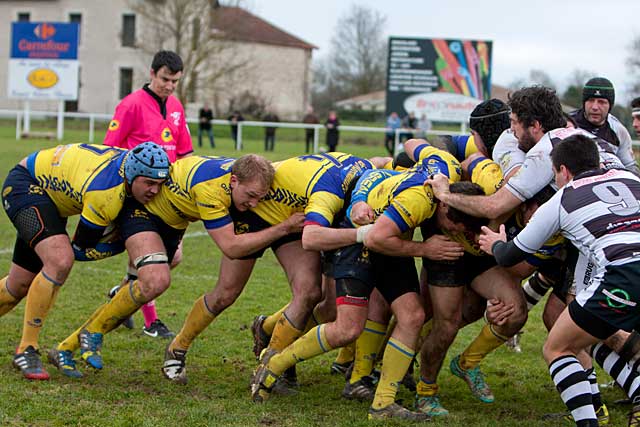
<point>42,78</point>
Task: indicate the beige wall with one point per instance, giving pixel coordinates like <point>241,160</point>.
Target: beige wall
<point>281,75</point>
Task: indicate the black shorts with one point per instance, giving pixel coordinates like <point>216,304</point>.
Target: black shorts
<point>555,271</point>
<point>326,259</point>
<point>392,276</point>
<point>611,305</point>
<point>134,218</point>
<point>33,214</point>
<point>251,222</point>
<point>461,272</point>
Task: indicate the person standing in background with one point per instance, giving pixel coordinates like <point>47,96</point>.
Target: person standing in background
<point>333,134</point>
<point>204,125</point>
<point>233,121</point>
<point>393,123</point>
<point>424,126</point>
<point>312,119</point>
<point>270,131</point>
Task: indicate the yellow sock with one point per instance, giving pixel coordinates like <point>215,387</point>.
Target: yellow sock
<point>314,320</point>
<point>197,321</point>
<point>40,299</point>
<point>7,301</point>
<point>425,388</point>
<point>395,362</point>
<point>72,342</point>
<point>307,346</point>
<point>346,354</point>
<point>270,322</point>
<point>124,303</point>
<point>367,348</point>
<point>283,334</point>
<point>486,341</point>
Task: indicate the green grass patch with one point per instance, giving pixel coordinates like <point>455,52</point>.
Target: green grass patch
<point>130,390</point>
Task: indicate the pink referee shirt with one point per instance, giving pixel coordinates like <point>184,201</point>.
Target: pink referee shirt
<point>139,118</point>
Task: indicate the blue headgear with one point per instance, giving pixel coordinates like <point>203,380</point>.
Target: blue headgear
<point>147,159</point>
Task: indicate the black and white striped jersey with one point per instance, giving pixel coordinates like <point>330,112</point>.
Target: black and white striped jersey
<point>537,172</point>
<point>598,211</point>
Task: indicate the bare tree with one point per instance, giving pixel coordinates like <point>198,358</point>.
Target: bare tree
<point>573,93</point>
<point>633,64</point>
<point>357,61</point>
<point>536,77</point>
<point>186,27</point>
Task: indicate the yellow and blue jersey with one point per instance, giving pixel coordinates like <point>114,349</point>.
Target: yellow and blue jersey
<point>486,173</point>
<point>400,196</point>
<point>315,184</point>
<point>464,146</point>
<point>515,224</point>
<point>434,160</point>
<point>197,189</point>
<point>82,179</point>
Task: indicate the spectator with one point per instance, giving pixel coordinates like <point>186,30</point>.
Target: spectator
<point>312,119</point>
<point>409,123</point>
<point>393,123</point>
<point>333,134</point>
<point>233,121</point>
<point>424,126</point>
<point>270,131</point>
<point>206,115</point>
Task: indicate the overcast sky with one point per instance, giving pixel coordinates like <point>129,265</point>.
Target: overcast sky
<point>556,36</point>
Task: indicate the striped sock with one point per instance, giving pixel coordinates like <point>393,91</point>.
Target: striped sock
<point>534,290</point>
<point>596,398</point>
<point>625,374</point>
<point>574,388</point>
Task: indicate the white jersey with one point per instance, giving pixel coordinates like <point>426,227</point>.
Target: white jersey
<point>537,171</point>
<point>506,152</point>
<point>624,151</point>
<point>599,212</point>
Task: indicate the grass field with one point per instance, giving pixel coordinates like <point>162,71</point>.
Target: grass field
<point>130,391</point>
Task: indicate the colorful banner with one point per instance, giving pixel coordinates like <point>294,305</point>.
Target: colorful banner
<point>441,78</point>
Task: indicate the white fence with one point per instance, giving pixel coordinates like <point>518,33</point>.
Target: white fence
<point>23,125</point>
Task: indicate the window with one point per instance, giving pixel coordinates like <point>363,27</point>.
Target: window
<point>24,17</point>
<point>77,18</point>
<point>128,30</point>
<point>73,105</point>
<point>126,81</point>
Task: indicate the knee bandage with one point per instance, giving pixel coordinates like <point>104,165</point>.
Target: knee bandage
<point>154,258</point>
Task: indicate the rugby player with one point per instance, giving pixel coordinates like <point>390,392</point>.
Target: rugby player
<point>400,203</point>
<point>198,188</point>
<point>39,194</point>
<point>153,113</point>
<point>315,185</point>
<point>596,210</point>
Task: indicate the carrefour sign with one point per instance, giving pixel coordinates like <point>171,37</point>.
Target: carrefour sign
<point>51,40</point>
<point>43,63</point>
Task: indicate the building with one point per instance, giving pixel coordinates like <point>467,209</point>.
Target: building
<point>272,66</point>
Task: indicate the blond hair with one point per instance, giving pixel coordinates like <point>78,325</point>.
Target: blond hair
<point>251,167</point>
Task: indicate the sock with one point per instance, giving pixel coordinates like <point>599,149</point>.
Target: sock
<point>72,342</point>
<point>346,354</point>
<point>535,288</point>
<point>270,322</point>
<point>197,321</point>
<point>126,301</point>
<point>283,334</point>
<point>426,387</point>
<point>7,301</point>
<point>42,294</point>
<point>486,341</point>
<point>395,362</point>
<point>367,348</point>
<point>596,399</point>
<point>314,320</point>
<point>307,346</point>
<point>623,373</point>
<point>572,384</point>
<point>149,312</point>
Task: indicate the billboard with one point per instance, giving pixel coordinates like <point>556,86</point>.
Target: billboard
<point>44,61</point>
<point>442,78</point>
